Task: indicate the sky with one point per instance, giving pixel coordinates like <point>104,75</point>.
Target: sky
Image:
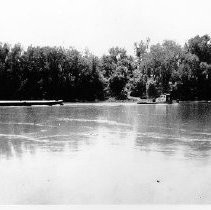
<point>101,24</point>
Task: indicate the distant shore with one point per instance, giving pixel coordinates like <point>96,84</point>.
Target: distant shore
<point>108,100</point>
<point>131,100</point>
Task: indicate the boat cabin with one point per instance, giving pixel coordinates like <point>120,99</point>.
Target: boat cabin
<point>164,98</point>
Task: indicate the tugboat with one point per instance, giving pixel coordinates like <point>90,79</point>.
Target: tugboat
<point>163,99</point>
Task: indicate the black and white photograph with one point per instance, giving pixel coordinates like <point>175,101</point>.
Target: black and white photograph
<point>105,102</point>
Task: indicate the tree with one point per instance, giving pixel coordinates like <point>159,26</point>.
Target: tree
<point>138,85</point>
<point>117,83</point>
<point>160,63</point>
<point>141,48</point>
<point>151,89</point>
<point>201,47</point>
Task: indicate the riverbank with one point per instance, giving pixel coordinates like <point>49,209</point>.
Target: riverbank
<point>108,100</point>
<point>130,100</point>
<point>133,100</point>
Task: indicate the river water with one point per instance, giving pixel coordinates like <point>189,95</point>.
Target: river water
<point>106,154</point>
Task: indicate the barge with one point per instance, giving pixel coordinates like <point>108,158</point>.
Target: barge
<point>31,102</point>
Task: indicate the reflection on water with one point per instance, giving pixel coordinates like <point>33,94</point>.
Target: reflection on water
<point>105,153</point>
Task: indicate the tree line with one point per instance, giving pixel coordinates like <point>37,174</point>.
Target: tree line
<point>60,73</point>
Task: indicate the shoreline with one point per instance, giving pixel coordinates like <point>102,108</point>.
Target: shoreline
<point>129,101</point>
<point>132,100</point>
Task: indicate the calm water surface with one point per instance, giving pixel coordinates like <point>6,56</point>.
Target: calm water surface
<point>105,154</point>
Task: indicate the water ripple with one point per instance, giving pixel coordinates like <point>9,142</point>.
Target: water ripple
<point>109,122</point>
<point>27,138</point>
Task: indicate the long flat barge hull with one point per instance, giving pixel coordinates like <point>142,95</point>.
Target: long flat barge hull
<point>146,103</point>
<point>31,103</point>
<point>153,103</point>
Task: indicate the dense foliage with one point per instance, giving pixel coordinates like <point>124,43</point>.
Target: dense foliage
<point>58,73</point>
